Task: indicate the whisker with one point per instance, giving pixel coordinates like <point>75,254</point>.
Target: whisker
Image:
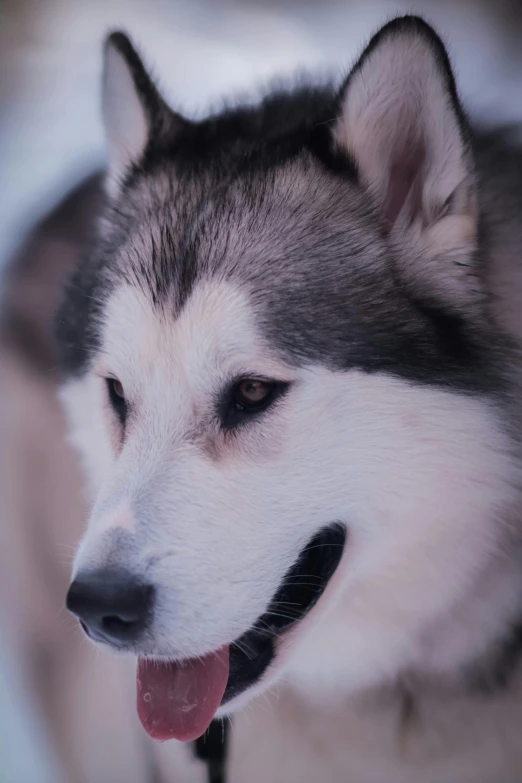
<point>320,546</point>
<point>245,650</point>
<point>283,615</point>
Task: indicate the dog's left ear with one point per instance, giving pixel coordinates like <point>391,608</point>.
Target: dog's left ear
<point>401,123</point>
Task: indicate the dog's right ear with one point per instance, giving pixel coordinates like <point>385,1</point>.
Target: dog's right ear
<point>133,109</point>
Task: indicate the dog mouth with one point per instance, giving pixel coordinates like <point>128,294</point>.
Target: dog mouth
<point>179,699</point>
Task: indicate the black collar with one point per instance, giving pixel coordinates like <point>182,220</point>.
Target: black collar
<point>211,748</point>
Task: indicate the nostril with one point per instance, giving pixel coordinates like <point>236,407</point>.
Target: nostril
<point>117,626</point>
<point>112,606</point>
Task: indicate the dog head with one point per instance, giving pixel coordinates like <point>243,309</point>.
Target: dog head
<point>281,378</point>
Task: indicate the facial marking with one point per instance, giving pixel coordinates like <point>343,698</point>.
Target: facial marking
<point>188,363</point>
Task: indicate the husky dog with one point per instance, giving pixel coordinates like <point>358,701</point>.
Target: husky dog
<point>292,368</point>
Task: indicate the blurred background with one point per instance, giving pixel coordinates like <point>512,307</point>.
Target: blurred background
<point>67,713</point>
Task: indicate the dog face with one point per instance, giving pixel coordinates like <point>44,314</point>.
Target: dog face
<point>280,347</point>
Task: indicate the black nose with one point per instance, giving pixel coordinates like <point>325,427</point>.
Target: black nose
<point>113,607</point>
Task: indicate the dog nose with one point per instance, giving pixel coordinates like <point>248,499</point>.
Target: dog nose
<point>112,607</point>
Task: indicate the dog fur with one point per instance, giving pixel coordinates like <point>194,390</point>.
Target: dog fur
<point>360,246</point>
<point>84,701</point>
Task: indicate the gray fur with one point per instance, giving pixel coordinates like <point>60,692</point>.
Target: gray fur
<point>260,196</point>
<point>408,268</point>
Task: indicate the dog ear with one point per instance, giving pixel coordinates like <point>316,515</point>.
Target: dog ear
<point>401,123</point>
<point>133,110</point>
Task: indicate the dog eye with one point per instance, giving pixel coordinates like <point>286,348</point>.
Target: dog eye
<point>248,397</point>
<point>117,397</point>
<point>252,392</point>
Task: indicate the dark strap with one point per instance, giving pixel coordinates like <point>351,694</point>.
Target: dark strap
<point>211,748</point>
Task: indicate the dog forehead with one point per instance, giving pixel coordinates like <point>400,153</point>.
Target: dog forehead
<point>276,235</point>
<point>172,230</point>
<point>304,246</point>
<point>214,332</point>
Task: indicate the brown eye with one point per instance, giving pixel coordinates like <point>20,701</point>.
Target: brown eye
<point>252,392</point>
<point>117,388</point>
<point>117,398</point>
<point>247,398</point>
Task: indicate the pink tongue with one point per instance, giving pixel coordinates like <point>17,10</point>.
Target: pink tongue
<point>179,700</point>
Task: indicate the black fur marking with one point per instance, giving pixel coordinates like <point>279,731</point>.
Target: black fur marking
<point>77,321</point>
<point>302,587</point>
<point>495,672</point>
<point>451,333</point>
<point>508,657</point>
<point>252,138</point>
<point>315,263</point>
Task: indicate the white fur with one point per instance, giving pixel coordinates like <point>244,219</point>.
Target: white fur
<point>282,737</point>
<point>424,480</point>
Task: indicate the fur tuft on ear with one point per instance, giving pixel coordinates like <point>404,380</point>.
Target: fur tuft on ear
<point>401,123</point>
<point>133,110</point>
